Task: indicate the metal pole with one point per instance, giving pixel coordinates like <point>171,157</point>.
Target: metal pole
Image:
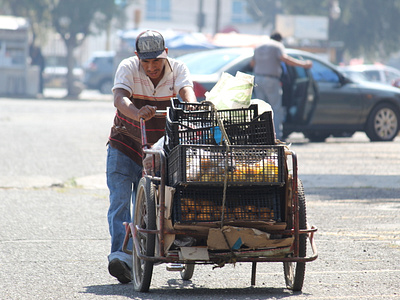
<point>253,273</point>
<point>217,15</point>
<point>200,16</point>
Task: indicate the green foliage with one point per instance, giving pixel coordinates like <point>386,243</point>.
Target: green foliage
<point>263,11</point>
<point>69,17</point>
<point>73,19</point>
<point>369,27</point>
<point>366,27</point>
<point>36,11</point>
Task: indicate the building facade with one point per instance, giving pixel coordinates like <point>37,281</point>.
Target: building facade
<point>207,16</point>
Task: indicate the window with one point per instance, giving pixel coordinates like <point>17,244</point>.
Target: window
<point>301,72</point>
<point>322,73</point>
<point>372,75</point>
<point>239,12</point>
<point>214,62</point>
<point>12,53</point>
<point>391,76</point>
<point>158,10</point>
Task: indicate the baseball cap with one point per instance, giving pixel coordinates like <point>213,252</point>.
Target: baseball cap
<point>150,44</point>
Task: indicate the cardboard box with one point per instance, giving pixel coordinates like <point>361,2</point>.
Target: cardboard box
<point>230,237</point>
<point>193,253</point>
<point>168,238</point>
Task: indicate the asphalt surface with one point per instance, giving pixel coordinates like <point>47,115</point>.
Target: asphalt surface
<point>54,237</point>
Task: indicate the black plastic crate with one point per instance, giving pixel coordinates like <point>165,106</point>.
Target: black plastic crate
<point>188,114</point>
<point>245,165</point>
<point>258,131</point>
<point>177,134</point>
<point>180,111</point>
<point>193,205</point>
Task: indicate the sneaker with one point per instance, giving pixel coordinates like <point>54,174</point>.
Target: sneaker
<point>120,270</point>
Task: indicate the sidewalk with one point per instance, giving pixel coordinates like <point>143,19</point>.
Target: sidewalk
<point>90,95</point>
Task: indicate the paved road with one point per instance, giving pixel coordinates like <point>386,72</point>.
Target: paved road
<point>54,237</point>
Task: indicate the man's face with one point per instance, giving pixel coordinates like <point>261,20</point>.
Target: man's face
<point>153,67</point>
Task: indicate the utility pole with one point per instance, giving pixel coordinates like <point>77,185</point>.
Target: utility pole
<point>200,16</point>
<point>217,15</point>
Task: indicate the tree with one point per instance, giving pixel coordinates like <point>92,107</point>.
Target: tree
<point>36,11</point>
<point>264,11</point>
<point>369,28</point>
<point>74,20</point>
<point>366,27</point>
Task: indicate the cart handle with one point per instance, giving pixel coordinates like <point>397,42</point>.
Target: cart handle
<point>143,128</point>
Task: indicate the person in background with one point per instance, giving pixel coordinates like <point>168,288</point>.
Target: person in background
<point>37,59</point>
<point>267,68</point>
<point>143,83</point>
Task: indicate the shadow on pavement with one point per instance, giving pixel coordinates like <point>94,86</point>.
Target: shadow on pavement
<point>178,289</point>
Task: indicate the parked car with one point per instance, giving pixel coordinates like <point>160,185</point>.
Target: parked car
<point>377,73</point>
<point>99,71</point>
<point>320,101</point>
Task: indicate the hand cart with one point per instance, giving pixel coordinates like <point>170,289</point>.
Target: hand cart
<point>223,192</point>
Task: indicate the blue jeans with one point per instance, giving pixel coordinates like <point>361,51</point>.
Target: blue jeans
<point>123,176</point>
<point>270,90</point>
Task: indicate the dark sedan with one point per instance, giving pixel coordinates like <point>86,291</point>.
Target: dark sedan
<point>320,102</point>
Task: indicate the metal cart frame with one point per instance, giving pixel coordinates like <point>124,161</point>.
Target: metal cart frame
<point>294,265</point>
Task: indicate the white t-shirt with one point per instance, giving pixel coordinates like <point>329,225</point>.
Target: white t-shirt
<point>131,77</point>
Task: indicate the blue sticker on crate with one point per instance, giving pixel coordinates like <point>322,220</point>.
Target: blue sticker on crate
<point>217,135</point>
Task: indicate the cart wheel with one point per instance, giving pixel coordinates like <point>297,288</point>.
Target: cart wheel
<point>145,217</point>
<point>187,272</point>
<point>294,272</point>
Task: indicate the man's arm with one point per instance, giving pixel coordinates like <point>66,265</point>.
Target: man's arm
<point>296,62</point>
<point>187,94</point>
<point>125,106</point>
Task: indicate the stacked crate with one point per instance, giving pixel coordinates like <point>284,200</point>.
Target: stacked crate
<point>196,123</point>
<point>200,164</point>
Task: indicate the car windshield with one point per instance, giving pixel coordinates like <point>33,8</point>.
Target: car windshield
<point>205,63</point>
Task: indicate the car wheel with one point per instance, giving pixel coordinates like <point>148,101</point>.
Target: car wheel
<point>383,123</point>
<point>106,86</point>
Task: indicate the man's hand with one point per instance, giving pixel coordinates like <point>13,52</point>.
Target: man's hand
<point>308,64</point>
<point>291,61</point>
<point>147,112</point>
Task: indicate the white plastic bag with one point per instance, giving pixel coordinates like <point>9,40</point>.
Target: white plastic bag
<point>232,91</point>
<point>148,160</point>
